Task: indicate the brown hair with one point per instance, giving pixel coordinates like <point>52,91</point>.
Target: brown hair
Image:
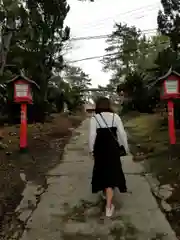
<point>103,104</point>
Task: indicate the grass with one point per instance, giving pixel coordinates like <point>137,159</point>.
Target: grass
<point>128,231</point>
<point>81,236</point>
<point>149,140</point>
<point>80,213</point>
<point>159,236</point>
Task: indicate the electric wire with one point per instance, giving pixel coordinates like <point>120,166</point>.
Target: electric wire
<point>96,37</point>
<point>129,13</point>
<point>104,24</point>
<point>114,54</point>
<point>133,18</point>
<point>106,35</point>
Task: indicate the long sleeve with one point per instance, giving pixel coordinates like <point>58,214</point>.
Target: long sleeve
<point>92,134</point>
<point>122,136</point>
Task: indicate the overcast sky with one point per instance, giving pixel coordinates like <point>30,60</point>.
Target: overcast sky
<point>92,19</point>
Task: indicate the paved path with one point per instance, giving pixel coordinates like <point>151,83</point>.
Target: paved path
<point>68,210</point>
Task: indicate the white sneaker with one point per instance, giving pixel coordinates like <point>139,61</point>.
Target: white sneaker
<point>110,211</point>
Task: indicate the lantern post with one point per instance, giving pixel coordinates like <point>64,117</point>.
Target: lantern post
<point>22,92</point>
<point>23,127</point>
<point>170,90</point>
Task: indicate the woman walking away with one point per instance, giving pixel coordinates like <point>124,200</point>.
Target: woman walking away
<point>107,142</point>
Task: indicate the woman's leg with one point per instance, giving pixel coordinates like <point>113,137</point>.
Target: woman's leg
<point>109,205</point>
<point>109,197</point>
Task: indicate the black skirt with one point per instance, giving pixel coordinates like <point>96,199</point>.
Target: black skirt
<point>107,171</point>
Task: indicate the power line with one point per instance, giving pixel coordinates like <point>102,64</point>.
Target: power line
<point>106,35</point>
<point>104,23</point>
<point>113,54</point>
<point>146,7</point>
<point>133,17</point>
<point>91,58</point>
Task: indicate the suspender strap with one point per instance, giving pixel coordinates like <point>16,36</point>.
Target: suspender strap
<point>97,121</point>
<point>113,120</point>
<point>104,120</point>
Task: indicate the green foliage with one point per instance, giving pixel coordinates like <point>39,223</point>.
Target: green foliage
<point>137,61</point>
<point>37,38</point>
<point>169,25</point>
<point>33,39</point>
<point>123,45</point>
<point>133,59</point>
<point>77,78</point>
<point>69,90</point>
<point>169,21</point>
<point>78,81</point>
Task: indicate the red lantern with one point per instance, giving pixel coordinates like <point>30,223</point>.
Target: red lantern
<point>22,87</point>
<point>171,87</point>
<point>170,90</point>
<point>22,92</point>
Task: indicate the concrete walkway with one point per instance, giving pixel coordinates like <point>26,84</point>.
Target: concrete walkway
<point>68,210</point>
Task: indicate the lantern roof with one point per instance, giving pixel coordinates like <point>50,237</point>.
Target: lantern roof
<point>169,73</point>
<point>160,79</point>
<point>22,77</point>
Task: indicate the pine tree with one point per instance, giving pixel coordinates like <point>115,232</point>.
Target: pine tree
<point>169,21</point>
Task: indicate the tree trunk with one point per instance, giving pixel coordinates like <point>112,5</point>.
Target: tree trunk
<point>6,42</point>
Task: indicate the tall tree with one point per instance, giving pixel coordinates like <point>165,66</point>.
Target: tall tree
<point>122,50</point>
<point>131,51</point>
<point>131,60</point>
<point>78,81</point>
<point>37,43</point>
<point>9,14</point>
<point>169,21</point>
<point>77,78</point>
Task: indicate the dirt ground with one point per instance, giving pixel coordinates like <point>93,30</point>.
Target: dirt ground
<point>46,143</point>
<point>149,141</point>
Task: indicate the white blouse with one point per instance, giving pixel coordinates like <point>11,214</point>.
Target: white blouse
<point>108,117</point>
